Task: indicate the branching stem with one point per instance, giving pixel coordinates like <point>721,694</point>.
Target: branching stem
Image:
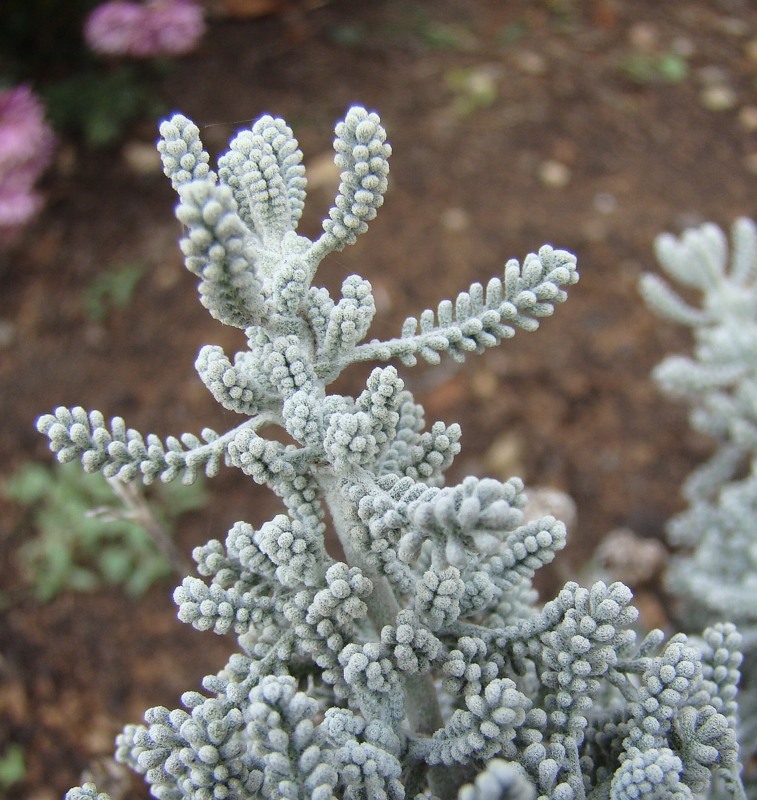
<point>421,699</point>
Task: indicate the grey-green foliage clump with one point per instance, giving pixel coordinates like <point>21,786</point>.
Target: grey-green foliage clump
<point>84,538</point>
<point>419,666</point>
<point>717,572</point>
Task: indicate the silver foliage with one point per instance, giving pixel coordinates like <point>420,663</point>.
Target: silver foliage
<point>716,574</point>
<point>416,661</point>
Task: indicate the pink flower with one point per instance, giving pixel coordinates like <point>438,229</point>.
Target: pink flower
<point>26,149</point>
<point>26,140</point>
<point>178,25</point>
<point>17,208</point>
<point>143,30</point>
<point>112,27</point>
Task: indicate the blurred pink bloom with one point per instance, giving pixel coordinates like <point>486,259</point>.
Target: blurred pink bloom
<point>26,149</point>
<point>144,30</point>
<point>25,138</point>
<point>112,27</point>
<point>17,208</point>
<point>177,25</point>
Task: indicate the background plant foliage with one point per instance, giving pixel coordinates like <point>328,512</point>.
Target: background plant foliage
<point>87,98</point>
<point>84,537</point>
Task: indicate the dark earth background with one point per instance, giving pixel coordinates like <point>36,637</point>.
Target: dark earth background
<point>513,123</point>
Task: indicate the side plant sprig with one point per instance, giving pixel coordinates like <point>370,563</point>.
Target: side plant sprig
<point>421,659</point>
<point>715,571</point>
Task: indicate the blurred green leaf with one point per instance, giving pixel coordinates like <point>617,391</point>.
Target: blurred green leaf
<point>12,766</point>
<point>98,105</point>
<point>111,290</point>
<point>28,484</point>
<point>418,25</point>
<point>474,88</point>
<point>74,548</point>
<point>655,67</point>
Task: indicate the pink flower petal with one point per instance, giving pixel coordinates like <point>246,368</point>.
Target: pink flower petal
<point>155,28</point>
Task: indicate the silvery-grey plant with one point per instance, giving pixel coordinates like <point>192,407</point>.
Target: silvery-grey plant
<point>716,570</point>
<point>417,663</point>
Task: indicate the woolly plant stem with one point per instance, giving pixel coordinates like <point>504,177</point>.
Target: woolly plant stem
<point>421,700</point>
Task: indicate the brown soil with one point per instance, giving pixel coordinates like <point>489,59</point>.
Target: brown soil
<point>570,406</point>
